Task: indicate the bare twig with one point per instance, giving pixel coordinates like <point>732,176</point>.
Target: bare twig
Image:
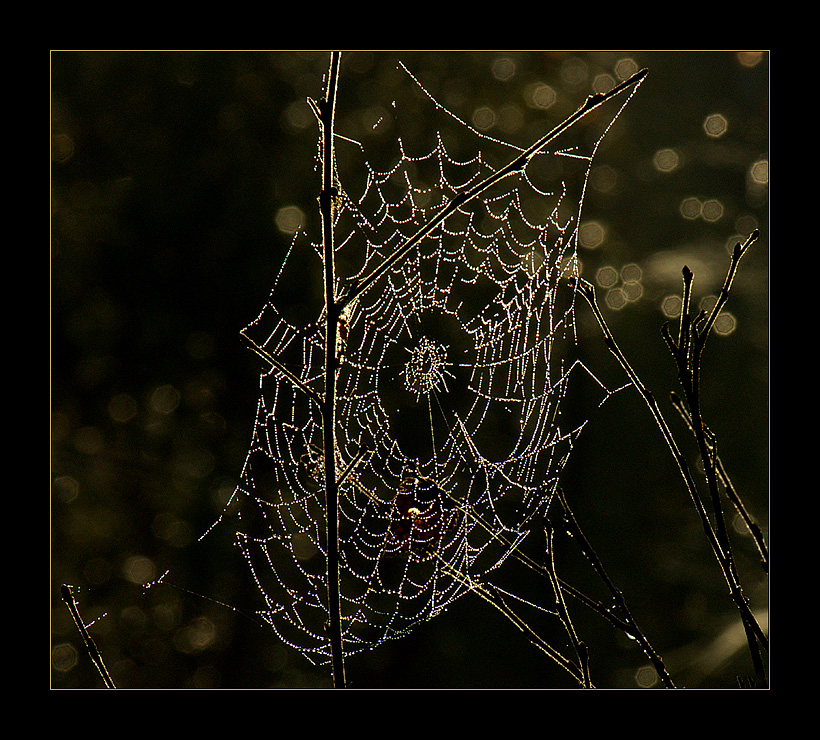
<point>351,466</point>
<point>494,596</point>
<point>628,626</point>
<point>633,629</point>
<point>581,649</point>
<point>687,352</point>
<point>754,528</point>
<point>588,292</point>
<point>282,369</point>
<point>67,595</point>
<point>327,205</point>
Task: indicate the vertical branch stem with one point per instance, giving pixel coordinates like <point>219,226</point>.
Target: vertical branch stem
<point>688,359</point>
<point>327,206</point>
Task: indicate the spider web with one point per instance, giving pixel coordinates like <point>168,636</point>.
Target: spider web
<point>454,368</point>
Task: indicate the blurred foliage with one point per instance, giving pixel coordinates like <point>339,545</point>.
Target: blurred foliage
<point>169,174</point>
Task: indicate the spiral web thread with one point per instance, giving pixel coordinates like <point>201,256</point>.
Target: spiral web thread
<point>454,368</point>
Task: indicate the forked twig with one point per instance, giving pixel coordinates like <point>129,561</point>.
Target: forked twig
<point>626,624</point>
<point>687,352</point>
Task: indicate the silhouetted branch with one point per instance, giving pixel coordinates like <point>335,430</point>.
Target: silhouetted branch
<point>327,205</point>
<point>693,335</point>
<point>687,351</point>
<point>754,528</point>
<point>581,649</point>
<point>631,627</point>
<point>494,596</point>
<point>282,369</point>
<point>627,625</point>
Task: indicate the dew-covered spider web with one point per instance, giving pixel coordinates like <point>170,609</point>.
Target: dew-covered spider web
<point>454,367</point>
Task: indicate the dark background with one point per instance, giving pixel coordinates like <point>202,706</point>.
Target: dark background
<point>168,170</point>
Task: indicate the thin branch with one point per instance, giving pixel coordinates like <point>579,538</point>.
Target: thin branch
<point>327,204</point>
<point>692,390</point>
<point>628,626</point>
<point>689,370</point>
<point>687,355</point>
<point>492,595</point>
<point>581,650</point>
<point>67,595</point>
<point>281,368</point>
<point>588,292</point>
<point>577,534</point>
<point>630,630</point>
<point>754,528</point>
<point>737,253</point>
<point>351,466</point>
<point>517,165</point>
